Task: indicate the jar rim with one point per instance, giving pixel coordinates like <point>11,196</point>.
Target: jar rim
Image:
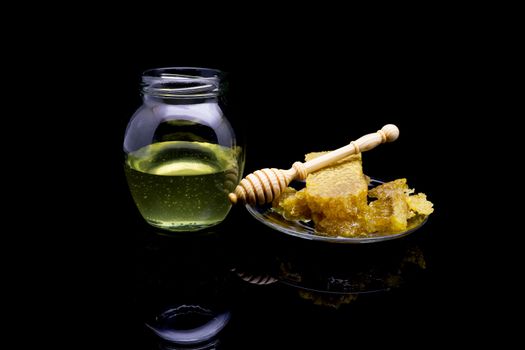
<point>198,72</point>
<point>181,82</point>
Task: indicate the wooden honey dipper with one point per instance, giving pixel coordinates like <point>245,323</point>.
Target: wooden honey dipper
<point>262,186</point>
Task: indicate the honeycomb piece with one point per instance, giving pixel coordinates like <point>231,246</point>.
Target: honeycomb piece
<point>343,178</point>
<point>388,214</point>
<point>419,204</point>
<point>336,196</point>
<point>292,205</point>
<point>335,199</point>
<point>378,216</point>
<point>395,209</point>
<point>353,226</point>
<point>390,189</point>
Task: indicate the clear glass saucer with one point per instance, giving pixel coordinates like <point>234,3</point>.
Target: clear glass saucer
<point>306,230</point>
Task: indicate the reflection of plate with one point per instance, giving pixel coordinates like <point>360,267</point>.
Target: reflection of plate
<point>306,230</point>
<point>365,271</point>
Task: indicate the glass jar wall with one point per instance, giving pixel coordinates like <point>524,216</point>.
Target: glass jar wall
<point>181,153</point>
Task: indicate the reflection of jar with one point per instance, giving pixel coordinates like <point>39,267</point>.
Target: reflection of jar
<point>182,157</point>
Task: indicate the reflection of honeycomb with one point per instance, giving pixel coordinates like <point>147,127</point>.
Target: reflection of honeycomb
<point>330,300</point>
<point>335,198</point>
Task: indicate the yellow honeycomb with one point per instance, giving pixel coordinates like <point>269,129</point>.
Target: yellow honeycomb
<point>335,199</point>
<point>292,204</point>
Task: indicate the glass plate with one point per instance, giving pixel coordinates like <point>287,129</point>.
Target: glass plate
<point>306,230</point>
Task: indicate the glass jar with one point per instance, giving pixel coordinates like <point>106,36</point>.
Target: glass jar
<point>181,153</point>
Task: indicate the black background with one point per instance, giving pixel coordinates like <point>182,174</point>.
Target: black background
<point>287,99</point>
<point>285,108</point>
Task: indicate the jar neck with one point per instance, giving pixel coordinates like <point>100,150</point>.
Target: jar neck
<point>181,84</point>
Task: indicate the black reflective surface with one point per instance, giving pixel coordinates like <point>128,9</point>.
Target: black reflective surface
<point>242,283</point>
<point>258,288</point>
<point>89,273</point>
